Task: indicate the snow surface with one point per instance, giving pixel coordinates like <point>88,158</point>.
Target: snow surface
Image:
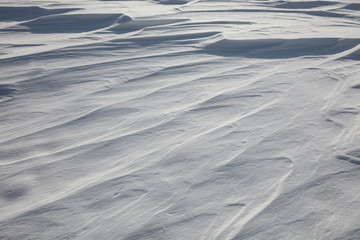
<point>176,119</point>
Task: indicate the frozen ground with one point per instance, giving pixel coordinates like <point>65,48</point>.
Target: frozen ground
<point>175,119</point>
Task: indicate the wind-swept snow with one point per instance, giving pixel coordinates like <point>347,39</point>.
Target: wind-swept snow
<point>179,119</point>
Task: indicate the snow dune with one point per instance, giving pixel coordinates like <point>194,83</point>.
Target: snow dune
<point>71,23</point>
<point>179,119</point>
<point>284,48</point>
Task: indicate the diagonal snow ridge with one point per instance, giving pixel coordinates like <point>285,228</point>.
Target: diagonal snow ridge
<point>282,48</point>
<point>70,23</point>
<point>179,119</point>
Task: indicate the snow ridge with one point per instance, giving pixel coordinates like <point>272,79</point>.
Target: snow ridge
<point>176,119</point>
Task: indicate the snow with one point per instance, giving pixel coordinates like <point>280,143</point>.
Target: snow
<point>179,119</point>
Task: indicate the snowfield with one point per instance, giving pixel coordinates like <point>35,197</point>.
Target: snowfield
<point>177,119</point>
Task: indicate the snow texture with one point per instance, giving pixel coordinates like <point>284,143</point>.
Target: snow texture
<point>180,119</point>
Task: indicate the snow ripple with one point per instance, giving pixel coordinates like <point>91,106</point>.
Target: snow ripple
<point>179,119</point>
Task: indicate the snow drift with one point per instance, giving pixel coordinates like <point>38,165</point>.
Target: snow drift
<point>179,119</point>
